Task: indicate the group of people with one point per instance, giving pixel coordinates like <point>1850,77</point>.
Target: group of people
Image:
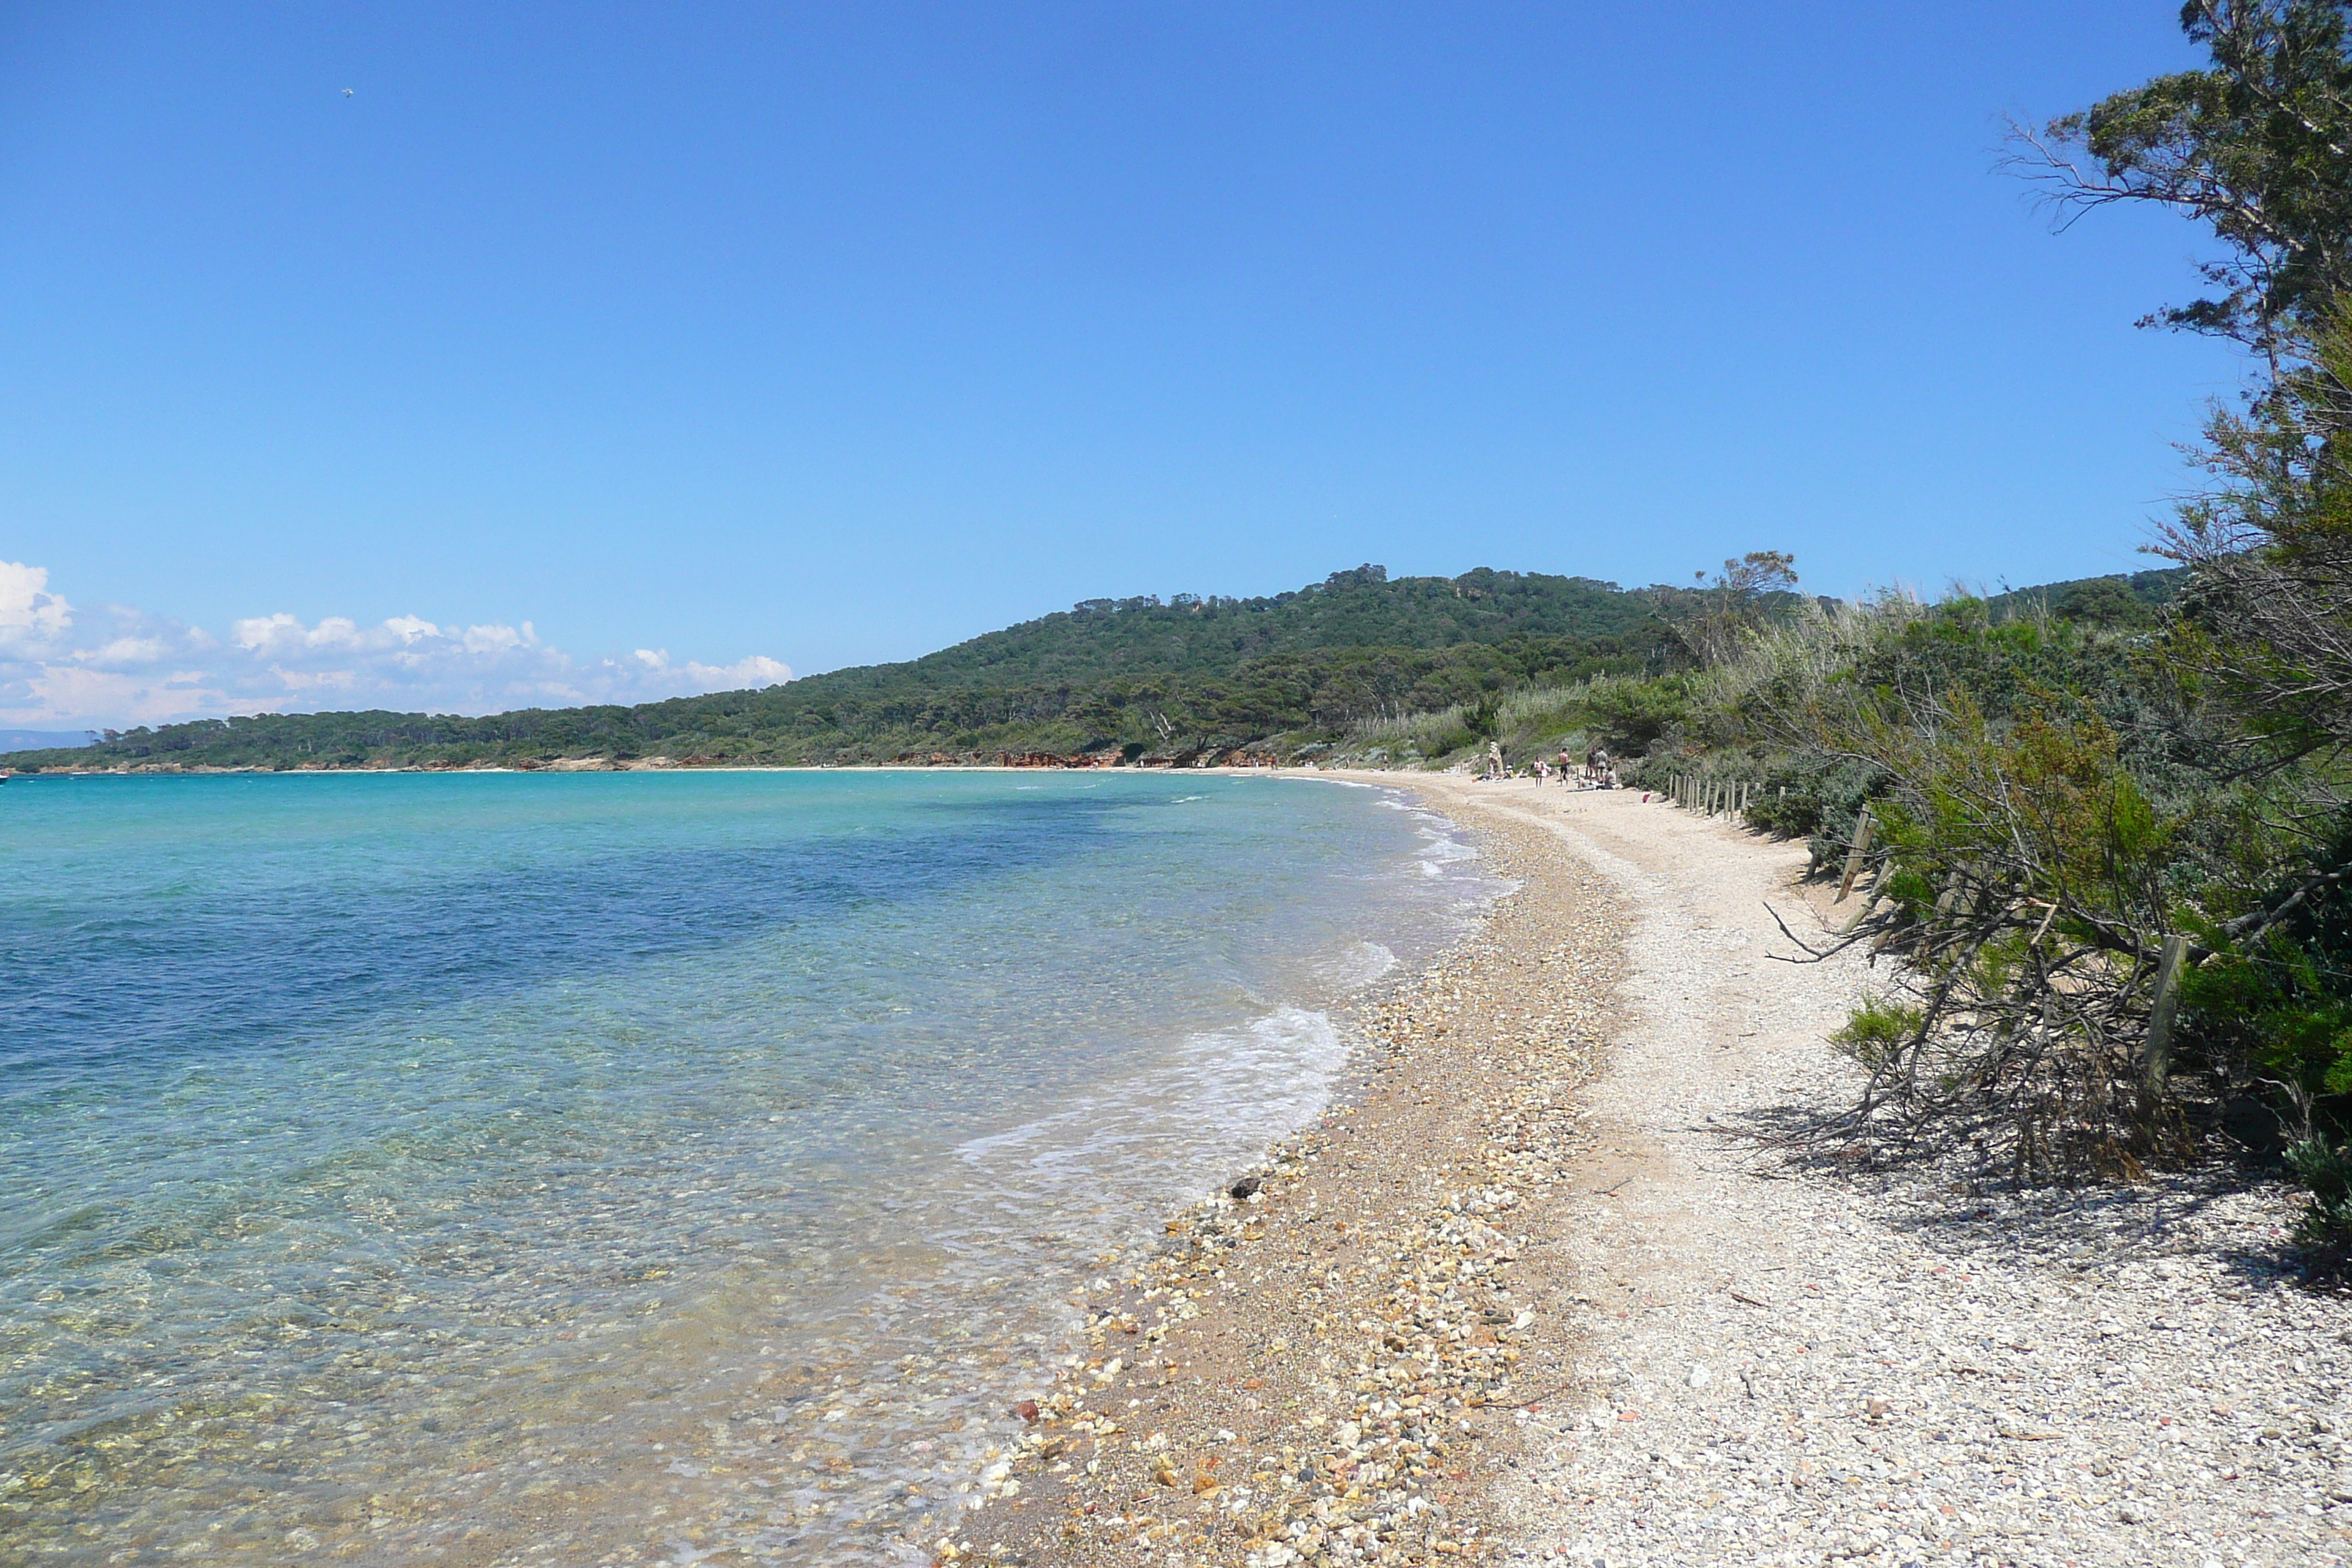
<point>1600,770</point>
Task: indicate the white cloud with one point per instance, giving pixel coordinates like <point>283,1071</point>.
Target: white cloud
<point>28,612</point>
<point>61,669</point>
<point>759,670</point>
<point>262,632</point>
<point>493,639</point>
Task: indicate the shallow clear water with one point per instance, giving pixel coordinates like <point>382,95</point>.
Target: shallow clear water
<point>622,1167</point>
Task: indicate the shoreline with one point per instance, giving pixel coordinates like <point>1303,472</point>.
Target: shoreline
<point>660,765</point>
<point>1553,1289</point>
<point>1330,1365</point>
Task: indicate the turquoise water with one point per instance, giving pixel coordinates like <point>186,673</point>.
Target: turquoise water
<point>622,1167</point>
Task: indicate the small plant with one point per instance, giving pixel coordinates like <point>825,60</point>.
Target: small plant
<point>1877,1030</point>
<point>2325,1228</point>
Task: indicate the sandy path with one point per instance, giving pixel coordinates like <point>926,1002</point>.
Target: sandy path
<point>1802,1365</point>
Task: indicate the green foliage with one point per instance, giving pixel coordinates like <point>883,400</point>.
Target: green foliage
<point>1715,620</point>
<point>2324,1169</point>
<point>1813,795</point>
<point>1629,714</point>
<point>1877,1029</point>
<point>2261,644</point>
<point>1427,736</point>
<point>2253,146</point>
<point>2054,799</point>
<point>2281,1003</point>
<point>2105,601</point>
<point>2099,600</point>
<point>2039,829</point>
<point>2070,782</point>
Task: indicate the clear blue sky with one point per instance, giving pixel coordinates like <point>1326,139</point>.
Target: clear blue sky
<point>838,333</point>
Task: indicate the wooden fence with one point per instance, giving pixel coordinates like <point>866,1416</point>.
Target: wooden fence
<point>1711,797</point>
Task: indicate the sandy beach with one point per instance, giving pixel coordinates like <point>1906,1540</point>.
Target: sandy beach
<point>1545,1288</point>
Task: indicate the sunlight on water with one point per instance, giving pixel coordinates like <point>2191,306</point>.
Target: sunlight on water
<point>616,1168</point>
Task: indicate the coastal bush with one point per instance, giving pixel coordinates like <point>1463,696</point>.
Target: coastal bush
<point>1630,713</point>
<point>2325,1168</point>
<point>2068,787</point>
<point>1540,715</point>
<point>1876,1030</point>
<point>1404,737</point>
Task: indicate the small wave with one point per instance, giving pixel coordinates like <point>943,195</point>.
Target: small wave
<point>1216,1097</point>
<point>1441,849</point>
<point>1361,965</point>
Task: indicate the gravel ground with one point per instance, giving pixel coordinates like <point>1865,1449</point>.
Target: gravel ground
<point>1786,1364</point>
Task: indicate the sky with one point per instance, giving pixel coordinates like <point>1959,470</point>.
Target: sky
<point>470,357</point>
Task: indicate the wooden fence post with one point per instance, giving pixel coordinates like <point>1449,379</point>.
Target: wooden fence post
<point>2156,1055</point>
<point>1855,856</point>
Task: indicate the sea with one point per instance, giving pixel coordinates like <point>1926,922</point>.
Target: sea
<point>626,1168</point>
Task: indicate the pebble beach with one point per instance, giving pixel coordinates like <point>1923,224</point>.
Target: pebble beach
<point>1544,1286</point>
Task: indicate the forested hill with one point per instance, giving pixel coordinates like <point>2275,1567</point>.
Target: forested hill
<point>1133,677</point>
<point>2116,601</point>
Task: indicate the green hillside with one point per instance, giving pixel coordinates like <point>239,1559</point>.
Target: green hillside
<point>2119,601</point>
<point>1136,676</point>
